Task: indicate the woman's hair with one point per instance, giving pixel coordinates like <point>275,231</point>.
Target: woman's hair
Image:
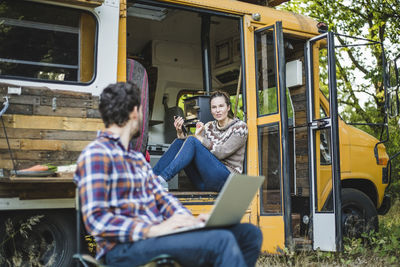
<point>226,96</point>
<point>117,102</point>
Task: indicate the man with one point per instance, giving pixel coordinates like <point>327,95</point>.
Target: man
<point>127,210</point>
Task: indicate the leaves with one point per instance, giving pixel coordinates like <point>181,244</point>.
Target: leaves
<point>373,249</point>
<point>377,22</point>
<point>359,69</point>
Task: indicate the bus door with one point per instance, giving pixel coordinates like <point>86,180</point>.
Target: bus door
<point>267,134</point>
<point>323,139</point>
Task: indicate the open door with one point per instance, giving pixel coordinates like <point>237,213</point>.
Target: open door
<point>270,144</point>
<point>323,136</point>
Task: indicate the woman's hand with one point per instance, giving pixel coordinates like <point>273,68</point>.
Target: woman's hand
<point>199,131</point>
<point>178,123</point>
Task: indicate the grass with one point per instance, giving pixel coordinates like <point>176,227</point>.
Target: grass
<point>374,249</point>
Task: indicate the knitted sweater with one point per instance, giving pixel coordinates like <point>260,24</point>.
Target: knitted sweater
<point>227,143</point>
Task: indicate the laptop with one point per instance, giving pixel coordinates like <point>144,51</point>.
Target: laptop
<point>231,204</point>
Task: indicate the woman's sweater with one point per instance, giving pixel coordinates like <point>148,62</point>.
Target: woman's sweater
<point>227,143</point>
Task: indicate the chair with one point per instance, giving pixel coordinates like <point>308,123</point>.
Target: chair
<point>86,260</point>
<point>137,74</point>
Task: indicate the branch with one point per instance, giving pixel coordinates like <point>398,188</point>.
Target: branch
<point>353,11</point>
<point>365,92</point>
<point>394,13</point>
<point>353,59</point>
<point>354,99</point>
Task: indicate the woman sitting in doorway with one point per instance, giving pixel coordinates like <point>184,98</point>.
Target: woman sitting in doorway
<point>212,153</point>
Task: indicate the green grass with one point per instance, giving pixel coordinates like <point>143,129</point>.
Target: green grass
<point>374,249</point>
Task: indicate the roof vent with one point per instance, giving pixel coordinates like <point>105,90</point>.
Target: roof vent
<point>148,12</point>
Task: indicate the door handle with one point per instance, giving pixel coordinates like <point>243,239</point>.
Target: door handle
<point>320,124</point>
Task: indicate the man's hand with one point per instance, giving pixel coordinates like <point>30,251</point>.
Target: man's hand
<point>203,217</point>
<point>199,131</point>
<point>178,123</point>
<point>172,223</point>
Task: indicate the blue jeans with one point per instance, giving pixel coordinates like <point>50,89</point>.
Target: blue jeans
<point>201,166</point>
<point>238,245</point>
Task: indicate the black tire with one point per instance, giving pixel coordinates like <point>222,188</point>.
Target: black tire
<point>50,242</point>
<point>359,214</point>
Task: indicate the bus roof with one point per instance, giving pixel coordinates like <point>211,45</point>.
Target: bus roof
<point>290,20</point>
<point>270,3</point>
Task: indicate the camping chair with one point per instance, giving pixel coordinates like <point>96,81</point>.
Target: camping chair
<point>86,260</point>
<point>137,74</point>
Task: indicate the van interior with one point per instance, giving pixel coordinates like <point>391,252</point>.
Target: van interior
<point>186,54</point>
<point>189,53</point>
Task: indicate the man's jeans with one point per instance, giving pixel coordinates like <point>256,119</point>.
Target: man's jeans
<point>201,166</point>
<point>238,245</point>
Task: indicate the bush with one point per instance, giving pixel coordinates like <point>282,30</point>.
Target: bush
<point>372,249</point>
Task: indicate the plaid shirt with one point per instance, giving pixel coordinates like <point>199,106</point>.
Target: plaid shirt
<point>121,197</point>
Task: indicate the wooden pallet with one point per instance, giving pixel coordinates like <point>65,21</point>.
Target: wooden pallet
<point>46,126</point>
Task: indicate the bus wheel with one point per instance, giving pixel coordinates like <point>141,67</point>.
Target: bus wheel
<point>358,213</point>
<point>41,238</point>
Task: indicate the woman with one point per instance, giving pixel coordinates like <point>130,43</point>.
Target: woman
<point>216,149</point>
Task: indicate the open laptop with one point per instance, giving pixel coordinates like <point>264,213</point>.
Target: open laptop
<point>231,204</point>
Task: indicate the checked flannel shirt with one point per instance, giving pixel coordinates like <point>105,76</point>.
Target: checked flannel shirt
<point>121,197</point>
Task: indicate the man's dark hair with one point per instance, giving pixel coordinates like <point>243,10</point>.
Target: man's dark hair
<point>117,102</point>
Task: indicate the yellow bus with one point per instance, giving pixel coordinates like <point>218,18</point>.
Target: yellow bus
<point>324,177</point>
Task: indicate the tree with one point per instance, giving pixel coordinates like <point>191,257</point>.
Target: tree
<point>359,69</point>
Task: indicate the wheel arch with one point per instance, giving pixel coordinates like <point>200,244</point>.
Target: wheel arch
<point>363,185</point>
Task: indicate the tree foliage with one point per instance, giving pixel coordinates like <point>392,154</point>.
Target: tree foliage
<point>359,69</point>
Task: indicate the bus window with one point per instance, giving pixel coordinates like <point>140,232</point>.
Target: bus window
<point>266,74</point>
<point>323,70</point>
<point>270,167</point>
<point>324,171</point>
<point>322,112</point>
<point>239,110</point>
<point>44,42</point>
<point>325,139</point>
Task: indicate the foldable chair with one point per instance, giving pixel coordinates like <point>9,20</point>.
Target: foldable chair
<point>137,74</point>
<point>86,260</point>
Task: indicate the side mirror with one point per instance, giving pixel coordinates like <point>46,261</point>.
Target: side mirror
<point>393,90</point>
<point>394,104</point>
<point>393,72</point>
